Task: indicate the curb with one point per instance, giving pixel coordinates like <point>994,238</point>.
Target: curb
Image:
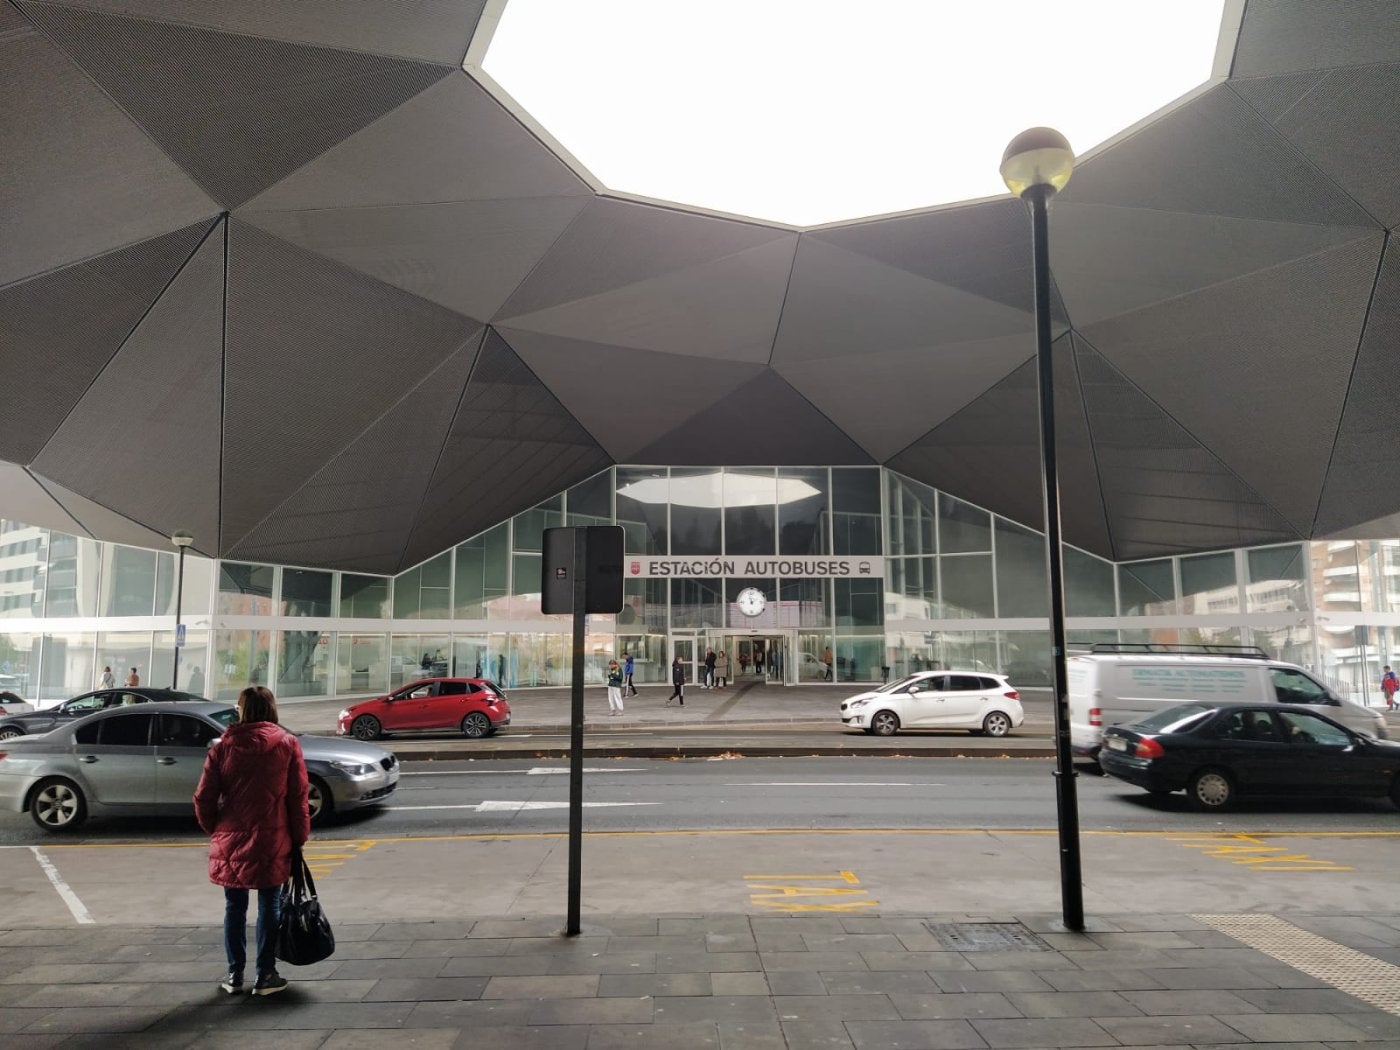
<point>736,750</point>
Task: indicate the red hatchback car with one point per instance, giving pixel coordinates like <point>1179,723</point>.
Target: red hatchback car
<point>473,705</point>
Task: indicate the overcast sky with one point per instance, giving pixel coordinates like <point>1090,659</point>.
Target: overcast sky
<point>810,111</point>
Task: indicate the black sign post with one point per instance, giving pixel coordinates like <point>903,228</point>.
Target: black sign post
<point>581,572</point>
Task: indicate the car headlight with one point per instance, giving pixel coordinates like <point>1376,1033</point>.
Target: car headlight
<point>343,715</point>
<point>855,704</point>
<point>353,769</point>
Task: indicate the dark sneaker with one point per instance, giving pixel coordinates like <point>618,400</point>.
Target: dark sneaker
<point>270,984</point>
<point>233,983</point>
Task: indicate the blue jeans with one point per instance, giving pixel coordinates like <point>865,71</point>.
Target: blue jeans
<point>236,928</point>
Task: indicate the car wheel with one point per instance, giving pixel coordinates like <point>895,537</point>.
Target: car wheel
<point>884,723</point>
<point>996,724</point>
<point>319,802</point>
<point>57,805</point>
<point>10,732</point>
<point>476,725</point>
<point>1210,789</point>
<point>366,727</point>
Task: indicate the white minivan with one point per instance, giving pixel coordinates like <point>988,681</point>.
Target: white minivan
<point>1117,687</point>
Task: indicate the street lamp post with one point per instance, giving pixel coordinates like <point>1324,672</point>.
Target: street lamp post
<point>182,540</point>
<point>1035,166</point>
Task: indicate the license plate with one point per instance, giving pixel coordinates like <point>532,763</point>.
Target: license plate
<point>1116,743</point>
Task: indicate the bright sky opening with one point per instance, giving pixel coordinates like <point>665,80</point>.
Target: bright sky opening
<point>810,111</point>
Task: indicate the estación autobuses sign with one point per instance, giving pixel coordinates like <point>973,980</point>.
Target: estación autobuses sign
<point>791,568</point>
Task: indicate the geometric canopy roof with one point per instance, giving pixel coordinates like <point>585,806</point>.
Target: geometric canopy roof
<point>290,277</point>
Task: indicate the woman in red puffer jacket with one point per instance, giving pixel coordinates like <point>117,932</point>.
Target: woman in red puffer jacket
<point>251,802</point>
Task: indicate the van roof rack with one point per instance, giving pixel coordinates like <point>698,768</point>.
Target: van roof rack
<point>1244,652</point>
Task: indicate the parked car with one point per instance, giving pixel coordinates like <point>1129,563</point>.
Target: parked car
<point>43,720</point>
<point>475,706</point>
<point>12,704</point>
<point>146,760</point>
<point>1218,752</point>
<point>981,703</point>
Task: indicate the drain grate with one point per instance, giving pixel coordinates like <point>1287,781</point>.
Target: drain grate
<point>986,937</point>
<point>1361,976</point>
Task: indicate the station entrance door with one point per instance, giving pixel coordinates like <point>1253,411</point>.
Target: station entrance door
<point>758,657</point>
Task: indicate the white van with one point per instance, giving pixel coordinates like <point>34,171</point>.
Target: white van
<point>1114,685</point>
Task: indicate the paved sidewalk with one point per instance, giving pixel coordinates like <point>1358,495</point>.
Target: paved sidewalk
<point>754,719</point>
<point>732,981</point>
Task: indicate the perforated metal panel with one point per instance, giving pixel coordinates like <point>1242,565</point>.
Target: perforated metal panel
<point>468,257</point>
<point>984,249</point>
<point>377,483</point>
<point>316,352</point>
<point>1363,476</point>
<point>60,330</point>
<point>1271,97</point>
<point>1162,490</point>
<point>155,459</point>
<point>624,397</point>
<point>511,444</point>
<point>989,453</point>
<point>452,142</point>
<point>1278,346</point>
<point>795,432</point>
<point>1207,157</point>
<point>236,112</point>
<point>436,30</point>
<point>1283,37</point>
<point>79,178</point>
<point>613,244</point>
<point>1345,125</point>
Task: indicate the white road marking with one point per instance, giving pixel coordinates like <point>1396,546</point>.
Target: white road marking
<point>64,890</point>
<point>536,771</point>
<point>492,806</point>
<point>828,784</point>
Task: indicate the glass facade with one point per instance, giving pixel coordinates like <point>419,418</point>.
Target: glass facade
<point>799,574</point>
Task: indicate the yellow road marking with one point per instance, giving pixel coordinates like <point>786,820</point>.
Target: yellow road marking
<point>783,898</point>
<point>1254,853</point>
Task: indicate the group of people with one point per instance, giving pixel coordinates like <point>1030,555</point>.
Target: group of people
<point>107,680</point>
<point>620,685</point>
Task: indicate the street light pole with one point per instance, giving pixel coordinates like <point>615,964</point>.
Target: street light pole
<point>182,540</point>
<point>1035,166</point>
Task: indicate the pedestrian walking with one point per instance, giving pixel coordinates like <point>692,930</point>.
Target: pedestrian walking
<point>710,659</point>
<point>722,669</point>
<point>614,688</point>
<point>251,802</point>
<point>628,666</point>
<point>1389,685</point>
<point>133,679</point>
<point>107,680</point>
<point>677,680</point>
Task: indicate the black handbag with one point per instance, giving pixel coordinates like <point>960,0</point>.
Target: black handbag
<point>304,933</point>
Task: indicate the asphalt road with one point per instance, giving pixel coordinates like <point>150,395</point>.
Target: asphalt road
<point>510,797</point>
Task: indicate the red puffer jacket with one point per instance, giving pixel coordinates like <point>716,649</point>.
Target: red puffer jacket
<point>251,802</point>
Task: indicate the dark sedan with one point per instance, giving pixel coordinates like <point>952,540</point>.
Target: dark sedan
<point>97,700</point>
<point>1217,753</point>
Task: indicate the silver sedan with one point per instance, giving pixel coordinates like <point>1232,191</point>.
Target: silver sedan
<point>146,760</point>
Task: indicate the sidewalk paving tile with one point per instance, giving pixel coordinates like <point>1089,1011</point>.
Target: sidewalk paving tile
<point>1184,1028</point>
<point>884,982</point>
<point>817,961</point>
<point>795,982</point>
<point>425,989</point>
<point>955,1004</point>
<point>476,1013</point>
<point>1273,1028</point>
<point>751,1035</point>
<point>816,1035</point>
<point>1105,980</point>
<point>739,984</point>
<point>561,987</point>
<point>1302,1001</point>
<point>834,1007</point>
<point>1207,977</point>
<point>547,1037</point>
<point>681,1009</point>
<point>700,1035</point>
<point>609,962</point>
<point>930,961</point>
<point>1073,1004</point>
<point>633,985</point>
<point>700,962</point>
<point>994,981</point>
<point>496,966</point>
<point>1043,1032</point>
<point>1188,1001</point>
<point>926,1035</point>
<point>408,1039</point>
<point>637,1010</point>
